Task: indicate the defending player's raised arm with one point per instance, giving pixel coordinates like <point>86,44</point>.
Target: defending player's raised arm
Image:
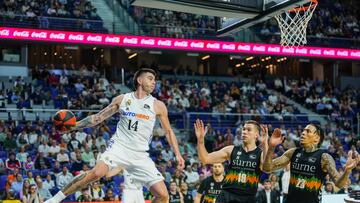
<point>264,138</point>
<point>271,165</point>
<point>162,113</point>
<point>328,166</point>
<point>95,119</point>
<point>214,157</point>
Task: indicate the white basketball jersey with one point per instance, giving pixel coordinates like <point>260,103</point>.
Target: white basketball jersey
<point>135,127</point>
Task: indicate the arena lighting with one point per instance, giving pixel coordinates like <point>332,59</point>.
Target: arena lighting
<point>192,54</point>
<point>205,57</point>
<point>75,38</point>
<point>132,55</point>
<point>238,65</point>
<point>249,58</point>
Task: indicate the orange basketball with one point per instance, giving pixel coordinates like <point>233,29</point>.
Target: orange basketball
<point>64,120</point>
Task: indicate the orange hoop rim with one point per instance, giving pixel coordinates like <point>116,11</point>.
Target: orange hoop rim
<point>314,3</point>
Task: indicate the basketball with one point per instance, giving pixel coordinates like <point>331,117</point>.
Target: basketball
<point>64,120</point>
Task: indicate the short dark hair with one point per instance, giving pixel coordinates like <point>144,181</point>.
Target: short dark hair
<point>139,72</point>
<point>266,181</point>
<point>257,125</point>
<point>319,131</point>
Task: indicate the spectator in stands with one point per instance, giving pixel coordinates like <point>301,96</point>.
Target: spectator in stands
<point>48,183</point>
<point>62,157</point>
<point>85,196</point>
<point>329,188</point>
<point>45,193</point>
<point>9,142</point>
<point>54,149</point>
<point>267,194</point>
<point>25,188</point>
<point>74,143</point>
<point>42,162</point>
<point>110,196</point>
<point>11,195</point>
<point>63,178</point>
<point>78,164</point>
<point>17,184</point>
<point>30,177</point>
<point>22,155</point>
<point>33,196</point>
<point>191,176</point>
<point>87,155</point>
<point>97,194</point>
<point>178,177</point>
<point>175,194</point>
<point>11,163</point>
<point>11,178</point>
<point>274,180</point>
<point>184,189</point>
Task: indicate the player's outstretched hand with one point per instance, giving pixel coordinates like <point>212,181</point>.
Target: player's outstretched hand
<point>200,130</point>
<point>264,135</point>
<point>276,138</point>
<point>352,161</point>
<point>180,162</point>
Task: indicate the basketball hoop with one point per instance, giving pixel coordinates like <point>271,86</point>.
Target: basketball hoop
<point>293,24</point>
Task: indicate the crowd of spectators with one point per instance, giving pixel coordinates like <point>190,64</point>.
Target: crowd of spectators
<point>57,14</point>
<point>166,23</point>
<point>320,96</point>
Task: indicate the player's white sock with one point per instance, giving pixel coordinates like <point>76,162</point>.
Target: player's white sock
<point>58,197</point>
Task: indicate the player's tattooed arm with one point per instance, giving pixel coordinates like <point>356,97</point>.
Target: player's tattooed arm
<point>271,164</point>
<point>104,114</point>
<point>328,166</point>
<point>74,185</point>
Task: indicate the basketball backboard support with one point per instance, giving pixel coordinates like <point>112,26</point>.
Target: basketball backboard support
<point>232,15</point>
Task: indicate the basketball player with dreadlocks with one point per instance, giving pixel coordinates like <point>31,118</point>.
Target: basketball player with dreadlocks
<point>242,177</point>
<point>308,165</point>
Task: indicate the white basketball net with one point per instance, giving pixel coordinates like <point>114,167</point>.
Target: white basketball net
<point>293,24</point>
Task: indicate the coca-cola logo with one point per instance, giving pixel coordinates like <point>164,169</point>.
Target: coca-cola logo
<point>244,47</point>
<point>288,50</point>
<point>147,41</point>
<point>315,51</point>
<point>4,32</point>
<point>329,52</point>
<point>301,51</point>
<point>355,54</point>
<point>197,44</point>
<point>78,37</point>
<point>213,46</point>
<point>274,49</point>
<point>96,38</point>
<point>166,43</point>
<point>41,35</point>
<point>342,53</point>
<point>181,44</point>
<point>259,48</point>
<point>229,46</point>
<point>112,39</point>
<point>132,40</point>
<point>57,36</point>
<point>21,34</point>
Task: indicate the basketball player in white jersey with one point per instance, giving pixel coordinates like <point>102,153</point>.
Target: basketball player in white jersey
<point>129,145</point>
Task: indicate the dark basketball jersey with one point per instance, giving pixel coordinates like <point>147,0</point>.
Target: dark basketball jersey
<point>306,177</point>
<point>243,174</point>
<point>174,198</point>
<point>209,189</point>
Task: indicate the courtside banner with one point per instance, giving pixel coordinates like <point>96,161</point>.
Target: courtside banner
<point>172,43</point>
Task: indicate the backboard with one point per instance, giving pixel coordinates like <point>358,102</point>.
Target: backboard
<point>232,15</point>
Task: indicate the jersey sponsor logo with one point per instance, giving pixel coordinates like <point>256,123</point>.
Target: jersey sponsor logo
<point>303,167</point>
<point>312,159</point>
<point>136,115</point>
